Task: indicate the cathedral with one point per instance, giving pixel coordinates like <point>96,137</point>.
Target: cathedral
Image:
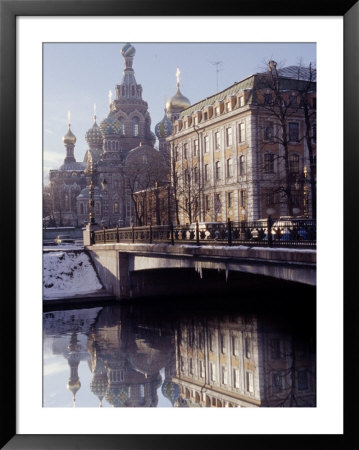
<point>120,161</point>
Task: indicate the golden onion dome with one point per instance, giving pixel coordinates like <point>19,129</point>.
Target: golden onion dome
<point>69,137</point>
<point>178,102</point>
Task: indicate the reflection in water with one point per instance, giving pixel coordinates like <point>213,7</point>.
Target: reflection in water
<point>143,355</point>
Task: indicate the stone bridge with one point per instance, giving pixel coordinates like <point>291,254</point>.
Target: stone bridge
<point>130,270</point>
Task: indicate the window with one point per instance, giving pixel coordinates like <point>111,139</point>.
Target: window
<point>185,151</point>
<point>294,131</point>
<point>223,343</point>
<point>249,381</point>
<point>211,342</point>
<point>176,153</point>
<point>277,381</point>
<point>293,100</point>
<point>182,364</point>
<point>205,116</point>
<point>241,132</point>
<point>269,199</point>
<point>195,147</point>
<point>212,369</point>
<point>206,144</point>
<point>242,198</point>
<point>247,347</point>
<point>115,208</point>
<point>235,345</point>
<point>218,203</point>
<point>268,99</point>
<point>269,131</point>
<point>201,369</point>
<point>191,366</point>
<point>195,174</point>
<point>302,380</point>
<point>275,349</point>
<point>269,163</point>
<point>236,378</point>
<point>230,199</point>
<point>294,164</point>
<point>242,166</point>
<point>224,375</point>
<point>228,137</point>
<point>207,202</point>
<point>115,184</point>
<point>217,140</point>
<point>81,208</point>
<point>229,167</point>
<point>206,174</point>
<point>135,126</point>
<point>218,170</point>
<point>241,101</point>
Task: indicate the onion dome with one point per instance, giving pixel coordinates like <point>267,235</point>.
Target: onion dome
<point>99,385</point>
<point>164,128</point>
<point>74,386</point>
<point>128,50</point>
<point>178,102</point>
<point>94,136</point>
<point>117,395</point>
<point>69,137</point>
<point>110,125</point>
<point>170,390</point>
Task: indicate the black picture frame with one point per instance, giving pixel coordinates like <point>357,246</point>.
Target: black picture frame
<point>9,10</point>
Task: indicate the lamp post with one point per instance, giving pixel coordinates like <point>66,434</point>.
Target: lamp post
<point>92,171</point>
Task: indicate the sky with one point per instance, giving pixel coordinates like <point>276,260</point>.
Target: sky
<point>77,76</point>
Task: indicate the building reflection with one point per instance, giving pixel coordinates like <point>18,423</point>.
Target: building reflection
<point>243,361</point>
<point>209,360</point>
<point>126,358</point>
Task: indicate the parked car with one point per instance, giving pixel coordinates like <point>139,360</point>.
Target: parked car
<point>64,239</point>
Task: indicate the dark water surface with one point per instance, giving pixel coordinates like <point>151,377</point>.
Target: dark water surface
<point>243,350</point>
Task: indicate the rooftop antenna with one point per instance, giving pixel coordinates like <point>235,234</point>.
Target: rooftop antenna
<point>217,64</point>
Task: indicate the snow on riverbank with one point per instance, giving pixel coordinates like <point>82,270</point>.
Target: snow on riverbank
<point>68,273</point>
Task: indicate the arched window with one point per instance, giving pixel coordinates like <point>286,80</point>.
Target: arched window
<point>135,126</point>
<point>242,165</point>
<point>122,128</point>
<point>218,170</point>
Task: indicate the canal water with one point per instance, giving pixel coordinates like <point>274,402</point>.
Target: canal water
<point>252,349</point>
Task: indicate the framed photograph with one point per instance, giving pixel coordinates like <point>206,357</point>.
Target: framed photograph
<point>29,33</point>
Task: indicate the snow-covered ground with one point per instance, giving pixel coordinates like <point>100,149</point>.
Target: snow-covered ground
<point>68,272</point>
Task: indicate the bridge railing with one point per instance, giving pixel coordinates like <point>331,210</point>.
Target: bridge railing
<point>271,233</point>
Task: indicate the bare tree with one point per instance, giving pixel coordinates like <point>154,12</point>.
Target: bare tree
<point>186,185</point>
<point>144,171</point>
<point>281,99</point>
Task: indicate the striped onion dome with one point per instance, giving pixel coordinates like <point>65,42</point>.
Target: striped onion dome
<point>94,136</point>
<point>164,128</point>
<point>110,125</point>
